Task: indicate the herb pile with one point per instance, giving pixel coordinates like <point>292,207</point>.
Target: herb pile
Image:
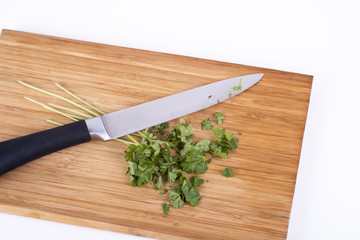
<point>161,154</point>
<point>168,157</point>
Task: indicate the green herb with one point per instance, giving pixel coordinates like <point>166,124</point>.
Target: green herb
<point>209,96</point>
<point>152,160</point>
<point>206,124</point>
<point>219,117</point>
<point>223,144</point>
<point>238,87</point>
<point>218,101</point>
<point>227,172</point>
<point>160,128</point>
<point>239,133</point>
<point>165,210</point>
<point>230,94</point>
<point>163,192</point>
<point>184,192</point>
<point>176,224</point>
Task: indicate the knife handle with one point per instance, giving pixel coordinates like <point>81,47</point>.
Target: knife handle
<point>18,151</point>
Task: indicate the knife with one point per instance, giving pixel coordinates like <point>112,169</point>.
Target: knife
<point>18,151</point>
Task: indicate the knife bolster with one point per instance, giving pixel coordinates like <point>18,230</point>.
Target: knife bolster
<point>97,129</point>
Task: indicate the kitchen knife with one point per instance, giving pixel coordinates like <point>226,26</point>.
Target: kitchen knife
<point>18,151</point>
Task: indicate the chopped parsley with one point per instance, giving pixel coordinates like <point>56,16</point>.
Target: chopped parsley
<point>168,155</point>
<point>227,172</point>
<point>223,144</point>
<point>206,124</point>
<point>219,117</point>
<point>238,87</point>
<point>209,96</point>
<point>165,210</point>
<point>176,224</point>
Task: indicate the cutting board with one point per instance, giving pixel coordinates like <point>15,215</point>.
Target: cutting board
<point>86,185</point>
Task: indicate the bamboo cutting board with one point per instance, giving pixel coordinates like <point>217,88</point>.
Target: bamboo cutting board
<point>86,185</point>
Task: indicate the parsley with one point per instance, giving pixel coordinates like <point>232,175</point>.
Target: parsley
<point>186,191</point>
<point>165,210</point>
<point>230,94</point>
<point>176,224</point>
<point>223,144</point>
<point>194,162</point>
<point>164,191</point>
<point>219,117</point>
<point>209,96</point>
<point>161,158</point>
<point>175,198</point>
<point>160,128</point>
<point>227,172</point>
<point>238,87</point>
<point>206,124</point>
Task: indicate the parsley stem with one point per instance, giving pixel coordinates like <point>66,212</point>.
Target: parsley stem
<point>54,122</point>
<point>60,97</point>
<point>69,115</point>
<point>132,139</point>
<point>52,109</point>
<point>70,110</point>
<point>123,141</point>
<point>84,102</point>
<point>143,135</point>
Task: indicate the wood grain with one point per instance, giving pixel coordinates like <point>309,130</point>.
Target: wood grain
<point>86,185</point>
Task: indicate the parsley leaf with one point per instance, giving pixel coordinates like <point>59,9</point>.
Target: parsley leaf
<point>165,209</point>
<point>185,130</point>
<point>206,124</point>
<point>196,181</point>
<point>203,145</point>
<point>175,198</point>
<point>219,117</point>
<point>227,172</point>
<point>191,195</point>
<point>160,128</point>
<point>163,192</point>
<point>223,144</point>
<point>159,183</point>
<point>173,174</point>
<point>194,162</point>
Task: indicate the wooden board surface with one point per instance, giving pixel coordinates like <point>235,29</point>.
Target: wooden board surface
<point>85,185</point>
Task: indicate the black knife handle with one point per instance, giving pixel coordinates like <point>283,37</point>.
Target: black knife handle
<point>18,151</point>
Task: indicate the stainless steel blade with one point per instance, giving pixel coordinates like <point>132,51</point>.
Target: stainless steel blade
<point>149,114</point>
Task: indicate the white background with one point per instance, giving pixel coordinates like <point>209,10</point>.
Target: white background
<point>320,38</point>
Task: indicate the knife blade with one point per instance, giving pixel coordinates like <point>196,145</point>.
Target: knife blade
<point>18,151</point>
